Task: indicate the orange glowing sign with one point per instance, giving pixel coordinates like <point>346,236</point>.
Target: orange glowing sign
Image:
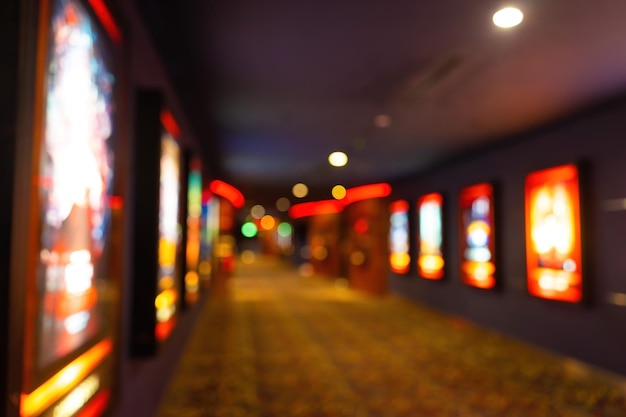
<point>553,241</point>
<point>399,257</point>
<point>56,387</point>
<point>430,262</point>
<point>477,236</point>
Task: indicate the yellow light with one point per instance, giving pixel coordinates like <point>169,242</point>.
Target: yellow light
<point>204,267</point>
<point>508,17</point>
<point>339,192</point>
<point>191,280</point>
<point>56,387</point>
<point>338,159</point>
<point>268,222</point>
<point>300,190</point>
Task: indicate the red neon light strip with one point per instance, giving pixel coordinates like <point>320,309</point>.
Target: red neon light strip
<point>101,10</point>
<point>60,384</point>
<point>229,192</point>
<point>365,192</point>
<point>169,123</point>
<point>314,208</point>
<point>96,406</point>
<point>399,206</point>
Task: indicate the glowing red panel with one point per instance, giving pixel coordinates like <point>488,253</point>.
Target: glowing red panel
<point>430,262</point>
<point>101,10</point>
<point>366,192</point>
<point>553,240</point>
<point>169,123</point>
<point>314,208</point>
<point>399,257</point>
<point>96,406</point>
<point>228,192</point>
<point>477,236</point>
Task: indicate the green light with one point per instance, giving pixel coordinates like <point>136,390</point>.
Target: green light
<point>249,229</point>
<point>284,229</point>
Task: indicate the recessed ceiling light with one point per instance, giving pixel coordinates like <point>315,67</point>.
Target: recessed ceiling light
<point>508,17</point>
<point>338,159</point>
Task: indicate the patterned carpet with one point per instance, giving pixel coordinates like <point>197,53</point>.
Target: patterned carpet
<point>283,345</point>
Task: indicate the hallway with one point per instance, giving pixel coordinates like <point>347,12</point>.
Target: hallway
<point>279,344</point>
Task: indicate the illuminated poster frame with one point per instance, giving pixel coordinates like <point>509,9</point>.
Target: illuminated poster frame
<point>399,237</point>
<point>430,255</point>
<point>157,246</point>
<point>554,262</point>
<point>477,236</point>
<point>72,274</point>
<point>192,235</point>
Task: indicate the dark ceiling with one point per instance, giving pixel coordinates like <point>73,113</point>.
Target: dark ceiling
<point>272,87</point>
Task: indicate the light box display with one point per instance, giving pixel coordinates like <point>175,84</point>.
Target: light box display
<point>167,295</point>
<point>399,256</point>
<point>430,261</point>
<point>477,236</point>
<point>70,330</point>
<point>553,238</point>
<point>194,225</point>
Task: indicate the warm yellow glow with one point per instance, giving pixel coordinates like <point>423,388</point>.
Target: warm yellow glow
<point>77,399</point>
<point>268,222</point>
<point>56,387</point>
<point>248,257</point>
<point>283,204</point>
<point>166,282</point>
<point>508,17</point>
<point>399,260</point>
<point>357,258</point>
<point>338,159</point>
<point>339,192</point>
<point>204,267</point>
<point>257,211</point>
<point>431,263</point>
<point>553,220</point>
<point>191,281</point>
<point>165,300</point>
<point>300,190</point>
<point>320,253</point>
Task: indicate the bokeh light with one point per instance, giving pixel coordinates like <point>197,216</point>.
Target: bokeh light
<point>267,222</point>
<point>284,229</point>
<point>283,204</point>
<point>300,190</point>
<point>257,211</point>
<point>338,159</point>
<point>249,229</point>
<point>508,17</point>
<point>339,192</point>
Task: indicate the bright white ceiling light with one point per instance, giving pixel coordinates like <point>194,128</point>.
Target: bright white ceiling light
<point>508,17</point>
<point>338,159</point>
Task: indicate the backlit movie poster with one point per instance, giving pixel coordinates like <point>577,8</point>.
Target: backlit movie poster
<point>553,238</point>
<point>478,266</point>
<point>430,261</point>
<point>75,185</point>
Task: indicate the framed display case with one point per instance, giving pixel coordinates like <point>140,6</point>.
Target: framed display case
<point>71,249</point>
<point>430,256</point>
<point>477,236</point>
<point>192,238</point>
<point>157,260</point>
<point>553,234</point>
<point>399,237</point>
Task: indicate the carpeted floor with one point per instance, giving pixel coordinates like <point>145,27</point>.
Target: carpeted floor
<point>280,345</point>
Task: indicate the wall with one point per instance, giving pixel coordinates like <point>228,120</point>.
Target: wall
<point>594,332</point>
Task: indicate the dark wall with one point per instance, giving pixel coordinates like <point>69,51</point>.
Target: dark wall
<point>9,40</point>
<point>594,332</point>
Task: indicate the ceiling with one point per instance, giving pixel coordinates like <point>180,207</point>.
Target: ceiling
<point>272,87</point>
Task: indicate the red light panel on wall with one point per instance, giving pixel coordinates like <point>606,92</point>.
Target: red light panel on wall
<point>399,257</point>
<point>430,262</point>
<point>477,236</point>
<point>553,239</point>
